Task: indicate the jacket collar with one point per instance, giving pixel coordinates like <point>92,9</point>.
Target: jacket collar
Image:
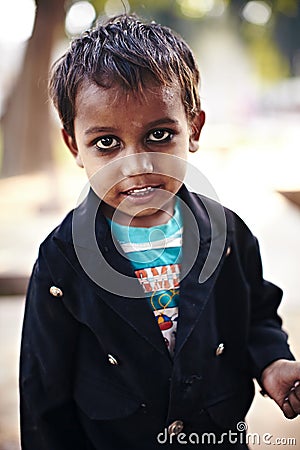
<point>86,242</point>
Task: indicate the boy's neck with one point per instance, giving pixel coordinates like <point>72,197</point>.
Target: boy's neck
<point>154,218</point>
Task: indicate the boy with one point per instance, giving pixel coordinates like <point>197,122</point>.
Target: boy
<point>123,346</point>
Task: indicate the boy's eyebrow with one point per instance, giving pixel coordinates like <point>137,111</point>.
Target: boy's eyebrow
<point>162,121</point>
<point>93,130</point>
<point>165,120</point>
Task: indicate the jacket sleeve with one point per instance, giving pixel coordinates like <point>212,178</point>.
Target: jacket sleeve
<point>267,339</point>
<point>47,412</point>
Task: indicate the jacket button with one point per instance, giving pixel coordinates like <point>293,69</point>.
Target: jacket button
<point>228,251</point>
<point>175,427</point>
<point>56,291</point>
<point>220,349</point>
<point>112,360</point>
<point>191,379</point>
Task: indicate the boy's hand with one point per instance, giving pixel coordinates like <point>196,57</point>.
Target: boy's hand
<point>281,381</point>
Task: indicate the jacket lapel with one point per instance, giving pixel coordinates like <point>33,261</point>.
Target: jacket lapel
<point>96,257</point>
<point>207,236</point>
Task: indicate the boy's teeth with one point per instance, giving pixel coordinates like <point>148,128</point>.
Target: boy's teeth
<point>140,191</point>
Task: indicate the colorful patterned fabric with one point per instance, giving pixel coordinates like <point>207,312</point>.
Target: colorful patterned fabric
<point>155,254</point>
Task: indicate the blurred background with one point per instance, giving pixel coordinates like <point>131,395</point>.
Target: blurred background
<point>249,58</point>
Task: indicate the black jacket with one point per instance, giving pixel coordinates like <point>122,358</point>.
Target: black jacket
<point>95,371</point>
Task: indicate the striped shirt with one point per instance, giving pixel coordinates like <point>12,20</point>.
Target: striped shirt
<point>155,254</point>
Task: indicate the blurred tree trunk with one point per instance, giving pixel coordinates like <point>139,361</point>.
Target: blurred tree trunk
<point>26,122</point>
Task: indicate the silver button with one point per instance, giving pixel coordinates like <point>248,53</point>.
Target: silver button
<point>112,360</point>
<point>56,291</point>
<point>175,427</point>
<point>220,349</point>
<point>228,251</point>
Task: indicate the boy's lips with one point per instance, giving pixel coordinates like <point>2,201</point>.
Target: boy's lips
<point>141,194</point>
<point>142,190</point>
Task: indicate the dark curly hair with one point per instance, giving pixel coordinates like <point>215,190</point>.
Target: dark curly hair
<point>125,50</point>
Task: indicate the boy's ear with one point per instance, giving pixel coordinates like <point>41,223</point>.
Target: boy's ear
<point>72,146</point>
<point>196,127</point>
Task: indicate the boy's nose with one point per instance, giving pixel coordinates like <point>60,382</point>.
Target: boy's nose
<point>137,163</point>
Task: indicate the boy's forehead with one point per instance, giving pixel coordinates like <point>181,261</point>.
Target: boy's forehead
<point>118,94</point>
<point>115,106</point>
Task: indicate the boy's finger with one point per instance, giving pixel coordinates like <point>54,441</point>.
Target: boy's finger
<point>297,389</point>
<point>294,402</point>
<point>288,410</point>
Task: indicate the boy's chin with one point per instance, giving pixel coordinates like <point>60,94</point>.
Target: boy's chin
<point>146,218</point>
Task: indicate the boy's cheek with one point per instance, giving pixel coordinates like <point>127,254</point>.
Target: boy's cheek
<point>173,167</point>
<point>103,179</point>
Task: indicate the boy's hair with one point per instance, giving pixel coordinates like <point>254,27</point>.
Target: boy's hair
<point>124,50</point>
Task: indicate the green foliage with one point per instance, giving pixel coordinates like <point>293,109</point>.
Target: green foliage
<point>271,48</point>
<point>287,7</point>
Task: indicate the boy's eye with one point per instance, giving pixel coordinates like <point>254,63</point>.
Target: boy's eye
<point>159,135</point>
<point>106,143</point>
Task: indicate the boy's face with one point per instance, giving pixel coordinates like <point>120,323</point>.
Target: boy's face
<point>133,148</point>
